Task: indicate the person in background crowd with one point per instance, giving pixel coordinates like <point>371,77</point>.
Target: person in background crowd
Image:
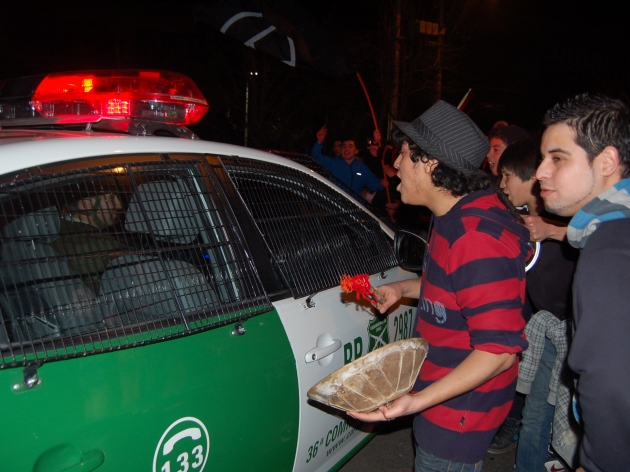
<point>542,371</point>
<point>470,297</point>
<point>499,123</point>
<point>352,172</point>
<point>336,148</point>
<point>380,159</point>
<point>585,174</point>
<point>500,137</point>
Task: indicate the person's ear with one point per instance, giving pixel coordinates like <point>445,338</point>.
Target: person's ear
<point>609,161</point>
<point>430,165</point>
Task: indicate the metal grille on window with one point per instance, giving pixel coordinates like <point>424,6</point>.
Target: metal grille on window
<point>117,256</point>
<point>314,233</point>
<point>308,161</point>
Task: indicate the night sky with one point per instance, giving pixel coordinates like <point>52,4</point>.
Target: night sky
<point>519,57</point>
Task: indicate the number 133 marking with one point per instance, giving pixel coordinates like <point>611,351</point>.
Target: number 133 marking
<point>183,460</point>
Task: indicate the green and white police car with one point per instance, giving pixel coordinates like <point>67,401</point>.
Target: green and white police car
<point>166,302</point>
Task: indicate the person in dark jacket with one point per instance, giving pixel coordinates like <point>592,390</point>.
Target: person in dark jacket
<point>471,294</point>
<point>585,174</point>
<point>542,367</point>
<point>347,168</point>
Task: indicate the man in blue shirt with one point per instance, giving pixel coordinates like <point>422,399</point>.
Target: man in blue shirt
<point>347,168</point>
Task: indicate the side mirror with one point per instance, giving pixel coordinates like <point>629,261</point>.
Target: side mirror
<point>409,248</point>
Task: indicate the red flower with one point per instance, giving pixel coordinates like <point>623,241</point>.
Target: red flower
<point>361,285</point>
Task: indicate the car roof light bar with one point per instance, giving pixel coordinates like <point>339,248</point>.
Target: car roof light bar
<point>91,96</point>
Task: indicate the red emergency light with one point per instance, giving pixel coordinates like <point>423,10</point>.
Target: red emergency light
<point>153,95</point>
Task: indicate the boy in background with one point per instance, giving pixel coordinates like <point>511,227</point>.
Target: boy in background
<point>500,137</point>
<point>543,374</point>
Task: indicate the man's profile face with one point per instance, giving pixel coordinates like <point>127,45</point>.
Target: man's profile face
<point>567,179</point>
<point>349,151</point>
<point>497,146</point>
<point>414,180</point>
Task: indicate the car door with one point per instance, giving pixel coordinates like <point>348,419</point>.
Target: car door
<point>136,336</point>
<point>314,234</point>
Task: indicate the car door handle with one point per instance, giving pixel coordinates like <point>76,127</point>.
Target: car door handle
<point>68,458</point>
<point>319,352</point>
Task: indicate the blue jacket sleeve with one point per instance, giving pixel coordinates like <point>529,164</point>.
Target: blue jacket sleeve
<point>326,161</point>
<point>371,181</point>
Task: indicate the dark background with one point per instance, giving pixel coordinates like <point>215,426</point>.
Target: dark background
<point>519,57</point>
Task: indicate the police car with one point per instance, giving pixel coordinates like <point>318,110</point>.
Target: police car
<point>166,302</point>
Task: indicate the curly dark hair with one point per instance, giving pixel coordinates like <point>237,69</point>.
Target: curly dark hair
<point>598,121</point>
<point>453,181</point>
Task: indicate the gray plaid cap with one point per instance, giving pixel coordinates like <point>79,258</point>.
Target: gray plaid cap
<point>450,136</point>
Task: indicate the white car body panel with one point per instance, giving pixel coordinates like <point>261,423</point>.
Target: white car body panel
<point>342,317</point>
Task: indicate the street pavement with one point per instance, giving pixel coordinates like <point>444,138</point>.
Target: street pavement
<point>392,450</point>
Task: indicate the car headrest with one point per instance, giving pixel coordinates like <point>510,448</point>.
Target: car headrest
<point>171,212</point>
<point>41,225</point>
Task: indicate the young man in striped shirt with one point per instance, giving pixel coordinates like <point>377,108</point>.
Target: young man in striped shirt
<point>471,294</point>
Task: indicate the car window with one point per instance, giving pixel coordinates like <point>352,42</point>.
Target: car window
<point>307,161</point>
<point>314,233</point>
<point>118,255</point>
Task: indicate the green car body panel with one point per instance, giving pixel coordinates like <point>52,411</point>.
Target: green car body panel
<point>109,411</point>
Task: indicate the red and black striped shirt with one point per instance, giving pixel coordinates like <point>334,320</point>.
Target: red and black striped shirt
<point>472,296</point>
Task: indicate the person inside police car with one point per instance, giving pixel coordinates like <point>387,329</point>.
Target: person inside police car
<point>471,294</point>
<point>82,239</point>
